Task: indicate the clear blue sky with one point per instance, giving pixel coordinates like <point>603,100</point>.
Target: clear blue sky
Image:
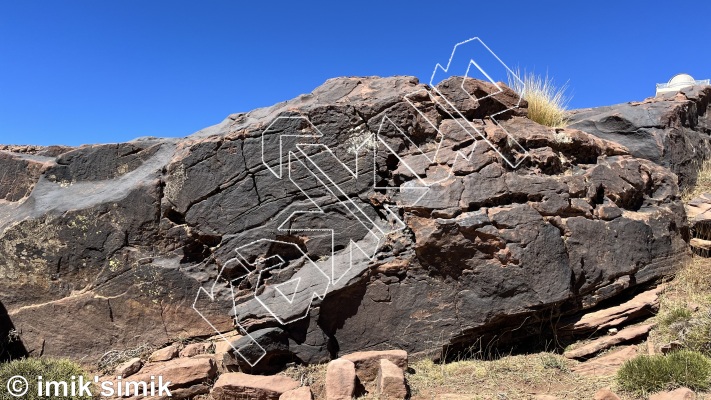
<point>95,71</point>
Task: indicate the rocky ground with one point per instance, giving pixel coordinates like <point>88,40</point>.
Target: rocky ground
<point>370,215</point>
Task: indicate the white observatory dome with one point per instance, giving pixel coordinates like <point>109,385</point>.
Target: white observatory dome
<point>682,80</point>
<point>679,82</point>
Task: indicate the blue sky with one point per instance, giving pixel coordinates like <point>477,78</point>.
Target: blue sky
<point>88,71</point>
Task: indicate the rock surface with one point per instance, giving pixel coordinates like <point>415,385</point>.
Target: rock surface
<point>606,394</point>
<point>110,246</point>
<point>607,364</point>
<point>642,305</point>
<point>676,394</point>
<point>165,354</point>
<point>367,363</point>
<point>129,367</point>
<point>390,381</point>
<point>236,385</point>
<point>625,335</point>
<point>340,380</point>
<point>671,130</point>
<point>302,393</point>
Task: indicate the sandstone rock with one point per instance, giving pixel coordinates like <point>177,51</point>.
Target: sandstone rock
<point>677,394</point>
<point>194,349</point>
<point>606,394</point>
<point>391,381</point>
<point>129,367</point>
<point>544,397</point>
<point>671,346</point>
<point>608,364</point>
<point>183,373</point>
<point>605,342</point>
<point>643,304</point>
<point>257,387</point>
<point>302,393</point>
<point>340,380</point>
<point>367,363</point>
<point>223,349</point>
<point>165,354</point>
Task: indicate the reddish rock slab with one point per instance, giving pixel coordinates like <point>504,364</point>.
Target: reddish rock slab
<point>164,354</point>
<point>340,380</point>
<point>677,394</point>
<point>367,363</point>
<point>608,364</point>
<point>129,367</point>
<point>194,349</point>
<point>181,372</point>
<point>236,385</point>
<point>605,342</point>
<point>302,393</point>
<point>605,394</point>
<point>391,381</point>
<point>643,303</point>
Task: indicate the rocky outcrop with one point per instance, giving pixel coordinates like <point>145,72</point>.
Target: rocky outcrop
<point>671,129</point>
<point>373,213</point>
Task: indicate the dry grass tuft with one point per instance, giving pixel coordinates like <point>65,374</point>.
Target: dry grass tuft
<point>313,376</point>
<point>510,377</point>
<point>702,184</point>
<point>685,309</point>
<point>547,103</point>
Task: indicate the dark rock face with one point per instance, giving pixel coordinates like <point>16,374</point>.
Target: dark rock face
<point>368,214</point>
<point>672,130</point>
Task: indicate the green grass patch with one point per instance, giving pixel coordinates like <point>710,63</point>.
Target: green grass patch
<point>674,316</point>
<point>647,374</point>
<point>49,369</point>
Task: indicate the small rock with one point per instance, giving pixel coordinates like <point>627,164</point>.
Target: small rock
<point>237,385</point>
<point>608,212</point>
<point>164,354</point>
<point>606,394</point>
<point>643,304</point>
<point>367,363</point>
<point>302,393</point>
<point>677,394</point>
<point>222,342</point>
<point>194,349</point>
<point>340,380</point>
<point>605,342</point>
<point>129,368</point>
<point>607,364</point>
<point>181,372</point>
<point>671,346</point>
<point>544,397</point>
<point>391,381</point>
<point>188,392</point>
<point>223,350</point>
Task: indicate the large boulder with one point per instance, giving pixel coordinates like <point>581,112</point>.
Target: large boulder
<point>368,215</point>
<point>671,129</point>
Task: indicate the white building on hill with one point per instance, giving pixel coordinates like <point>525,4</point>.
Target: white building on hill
<point>678,82</point>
